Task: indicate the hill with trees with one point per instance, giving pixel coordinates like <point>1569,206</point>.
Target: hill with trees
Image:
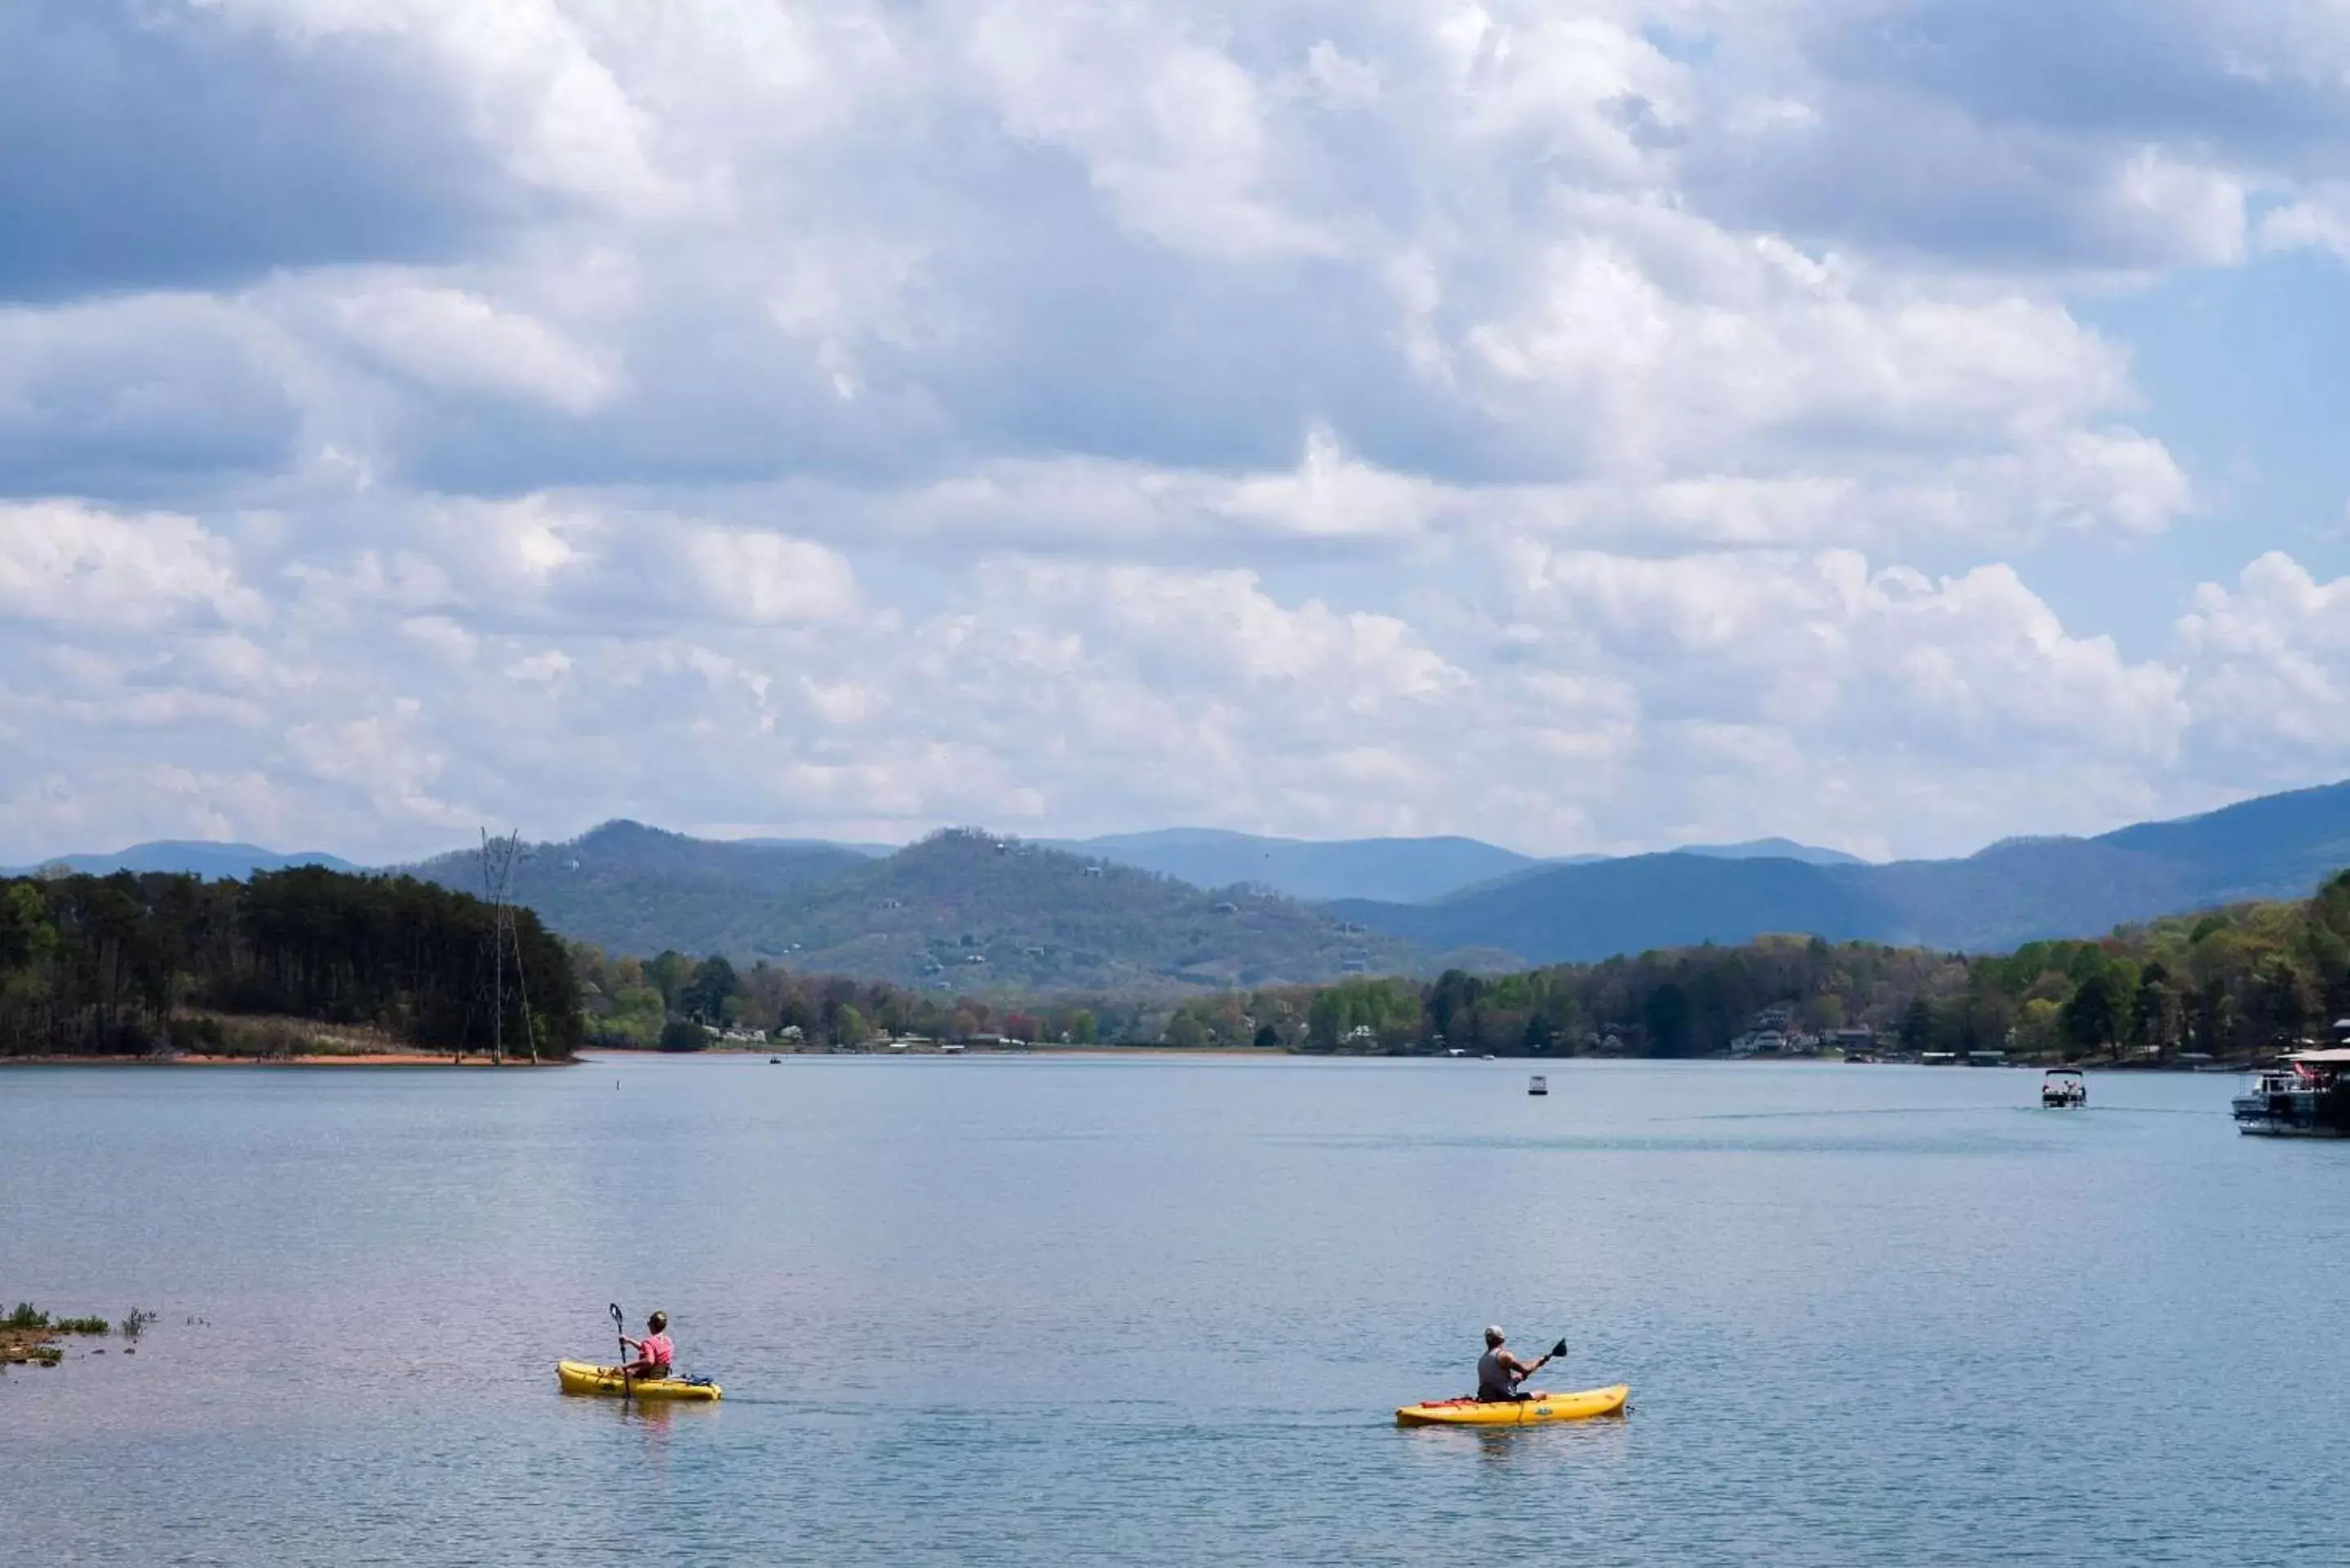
<point>128,964</point>
<point>633,888</point>
<point>2013,892</point>
<point>961,911</point>
<point>2237,984</point>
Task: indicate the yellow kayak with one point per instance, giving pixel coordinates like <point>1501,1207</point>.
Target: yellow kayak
<point>586,1377</point>
<point>1530,1410</point>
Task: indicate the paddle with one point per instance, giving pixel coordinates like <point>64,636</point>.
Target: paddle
<point>1547,1356</point>
<point>621,1327</point>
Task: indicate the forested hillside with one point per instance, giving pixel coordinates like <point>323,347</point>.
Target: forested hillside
<point>963,910</point>
<point>127,964</point>
<point>969,911</point>
<point>2236,983</point>
<point>634,888</point>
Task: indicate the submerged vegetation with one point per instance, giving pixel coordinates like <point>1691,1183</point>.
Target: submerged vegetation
<point>28,1335</point>
<point>2229,984</point>
<point>132,965</point>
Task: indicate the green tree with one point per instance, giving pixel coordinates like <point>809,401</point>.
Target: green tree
<point>1918,1025</point>
<point>2039,1030</point>
<point>2091,1020</point>
<point>2282,1002</point>
<point>849,1026</point>
<point>1667,1015</point>
<point>2154,1011</point>
<point>671,973</point>
<point>706,992</point>
<point>678,1034</point>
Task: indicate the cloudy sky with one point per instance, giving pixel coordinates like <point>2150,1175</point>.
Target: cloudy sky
<point>1585,424</point>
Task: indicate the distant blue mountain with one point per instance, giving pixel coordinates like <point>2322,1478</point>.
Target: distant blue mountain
<point>1772,849</point>
<point>640,889</point>
<point>2277,846</point>
<point>1392,870</point>
<point>196,857</point>
<point>1400,870</point>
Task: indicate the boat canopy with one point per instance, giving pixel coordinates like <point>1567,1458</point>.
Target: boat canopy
<point>2061,1073</point>
<point>2338,1056</point>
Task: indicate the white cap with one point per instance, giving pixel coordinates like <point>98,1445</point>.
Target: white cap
<point>1493,1335</point>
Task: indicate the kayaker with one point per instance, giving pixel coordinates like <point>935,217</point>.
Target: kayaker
<point>1499,1373</point>
<point>654,1351</point>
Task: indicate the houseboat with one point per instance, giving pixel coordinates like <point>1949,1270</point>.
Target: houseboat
<point>2303,1097</point>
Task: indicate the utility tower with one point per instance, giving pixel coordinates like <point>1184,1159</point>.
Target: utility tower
<point>500,856</point>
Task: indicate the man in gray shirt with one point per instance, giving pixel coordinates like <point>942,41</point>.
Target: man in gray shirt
<point>1499,1373</point>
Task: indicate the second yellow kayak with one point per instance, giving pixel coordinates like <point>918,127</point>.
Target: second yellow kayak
<point>1531,1410</point>
<point>586,1377</point>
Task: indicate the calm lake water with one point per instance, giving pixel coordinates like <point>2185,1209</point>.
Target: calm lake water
<point>1160,1312</point>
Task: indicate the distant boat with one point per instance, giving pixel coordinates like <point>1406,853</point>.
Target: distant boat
<point>2306,1097</point>
<point>2063,1088</point>
<point>1538,1084</point>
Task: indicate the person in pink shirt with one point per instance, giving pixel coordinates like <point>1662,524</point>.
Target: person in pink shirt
<point>654,1351</point>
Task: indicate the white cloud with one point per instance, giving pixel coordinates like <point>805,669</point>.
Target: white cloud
<point>2272,667</point>
<point>71,565</point>
<point>458,341</point>
<point>2321,222</point>
<point>1171,130</point>
<point>1586,425</point>
<point>765,577</point>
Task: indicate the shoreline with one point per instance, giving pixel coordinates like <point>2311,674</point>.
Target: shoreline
<point>370,1059</point>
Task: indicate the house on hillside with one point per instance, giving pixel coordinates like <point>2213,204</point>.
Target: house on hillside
<point>1772,1034</point>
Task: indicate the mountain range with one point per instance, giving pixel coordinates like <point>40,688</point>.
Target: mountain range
<point>963,910</point>
<point>1191,907</point>
<point>2015,891</point>
<point>1395,870</point>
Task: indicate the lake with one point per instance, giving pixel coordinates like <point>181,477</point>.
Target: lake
<point>1088,1310</point>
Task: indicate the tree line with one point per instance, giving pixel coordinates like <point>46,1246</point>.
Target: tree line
<point>2232,983</point>
<point>675,1002</point>
<point>128,964</point>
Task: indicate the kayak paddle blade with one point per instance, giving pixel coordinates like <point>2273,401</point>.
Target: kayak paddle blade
<point>1558,1350</point>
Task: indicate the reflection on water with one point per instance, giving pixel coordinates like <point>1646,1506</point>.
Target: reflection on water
<point>1163,1312</point>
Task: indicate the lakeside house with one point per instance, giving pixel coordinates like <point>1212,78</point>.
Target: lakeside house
<point>1771,1033</point>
